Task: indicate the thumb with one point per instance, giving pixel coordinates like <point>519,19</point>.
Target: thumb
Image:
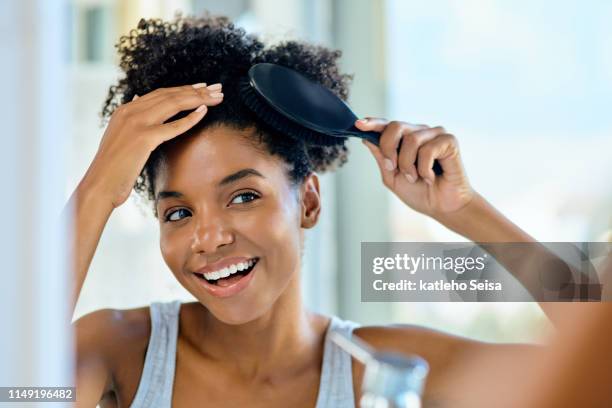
<point>374,124</point>
<point>387,175</point>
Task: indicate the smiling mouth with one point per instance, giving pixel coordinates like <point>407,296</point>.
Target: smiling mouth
<point>229,279</point>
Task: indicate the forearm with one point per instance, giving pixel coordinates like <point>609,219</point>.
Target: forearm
<point>481,223</point>
<point>88,213</point>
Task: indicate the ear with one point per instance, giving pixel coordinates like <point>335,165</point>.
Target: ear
<point>310,201</point>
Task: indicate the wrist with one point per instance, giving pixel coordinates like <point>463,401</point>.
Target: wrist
<point>91,195</point>
<point>463,219</point>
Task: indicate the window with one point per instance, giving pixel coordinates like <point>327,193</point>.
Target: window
<point>525,87</point>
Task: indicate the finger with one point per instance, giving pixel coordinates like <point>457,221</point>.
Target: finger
<point>441,148</point>
<point>387,175</point>
<point>164,132</point>
<point>371,124</point>
<point>156,92</point>
<point>168,106</point>
<point>411,141</point>
<point>162,94</point>
<point>391,138</point>
<point>169,90</point>
<point>379,124</point>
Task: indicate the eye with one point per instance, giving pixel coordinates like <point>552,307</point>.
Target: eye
<point>169,216</point>
<point>250,195</point>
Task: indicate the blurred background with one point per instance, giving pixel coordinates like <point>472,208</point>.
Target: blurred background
<point>525,86</point>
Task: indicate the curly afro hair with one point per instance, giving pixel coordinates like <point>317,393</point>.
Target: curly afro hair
<point>212,49</point>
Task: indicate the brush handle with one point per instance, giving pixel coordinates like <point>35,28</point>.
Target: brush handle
<point>374,137</point>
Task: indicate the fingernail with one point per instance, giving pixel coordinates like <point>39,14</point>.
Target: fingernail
<point>135,97</point>
<point>364,120</point>
<point>216,95</point>
<point>389,165</point>
<point>201,108</point>
<point>199,85</point>
<point>409,178</point>
<point>214,87</point>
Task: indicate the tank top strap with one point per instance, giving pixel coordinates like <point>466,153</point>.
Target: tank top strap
<point>336,387</point>
<point>155,387</point>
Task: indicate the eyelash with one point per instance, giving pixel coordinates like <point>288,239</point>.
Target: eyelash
<point>167,216</point>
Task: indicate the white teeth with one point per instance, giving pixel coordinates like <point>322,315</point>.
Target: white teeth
<point>227,271</point>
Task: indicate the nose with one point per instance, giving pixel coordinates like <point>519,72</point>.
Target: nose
<point>208,235</point>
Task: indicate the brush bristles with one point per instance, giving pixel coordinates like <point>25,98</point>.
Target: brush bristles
<point>280,123</point>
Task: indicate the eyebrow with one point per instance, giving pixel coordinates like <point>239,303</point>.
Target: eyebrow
<point>232,178</point>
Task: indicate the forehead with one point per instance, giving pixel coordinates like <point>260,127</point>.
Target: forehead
<point>209,155</point>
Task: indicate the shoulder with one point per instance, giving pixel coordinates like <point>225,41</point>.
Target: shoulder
<point>109,327</point>
<point>108,335</point>
<point>108,341</point>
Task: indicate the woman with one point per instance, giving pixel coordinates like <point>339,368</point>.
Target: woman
<point>234,197</point>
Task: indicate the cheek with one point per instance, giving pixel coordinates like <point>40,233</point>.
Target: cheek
<point>171,250</point>
<point>275,225</point>
<point>282,237</point>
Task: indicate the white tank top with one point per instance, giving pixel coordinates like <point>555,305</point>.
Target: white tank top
<point>155,387</point>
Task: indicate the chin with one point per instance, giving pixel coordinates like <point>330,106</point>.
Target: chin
<point>237,314</point>
<point>255,300</point>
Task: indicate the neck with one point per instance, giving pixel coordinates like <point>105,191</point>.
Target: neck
<point>284,338</point>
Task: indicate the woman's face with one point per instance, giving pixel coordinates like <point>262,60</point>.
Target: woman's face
<point>222,201</point>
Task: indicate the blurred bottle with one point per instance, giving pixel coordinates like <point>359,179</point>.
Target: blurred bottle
<point>390,380</point>
<point>393,381</point>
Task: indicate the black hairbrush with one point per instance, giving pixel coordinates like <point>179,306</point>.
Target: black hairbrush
<point>300,108</point>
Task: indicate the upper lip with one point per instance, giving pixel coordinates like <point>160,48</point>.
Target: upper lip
<point>223,263</point>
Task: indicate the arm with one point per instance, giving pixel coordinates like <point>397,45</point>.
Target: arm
<point>89,215</point>
<point>405,158</point>
<point>480,222</point>
<point>573,370</point>
<point>134,131</point>
<point>448,357</point>
<point>93,332</point>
